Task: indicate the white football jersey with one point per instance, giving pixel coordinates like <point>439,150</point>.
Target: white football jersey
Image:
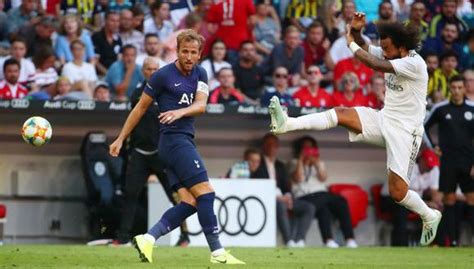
<point>406,90</point>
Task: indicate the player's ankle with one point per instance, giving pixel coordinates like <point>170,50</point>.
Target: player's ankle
<point>218,252</point>
<point>150,238</point>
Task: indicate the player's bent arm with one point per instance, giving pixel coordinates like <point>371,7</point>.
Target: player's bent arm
<point>135,115</point>
<point>359,40</point>
<point>198,106</point>
<point>374,62</point>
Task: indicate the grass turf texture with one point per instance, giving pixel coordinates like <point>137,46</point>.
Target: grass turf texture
<point>65,256</point>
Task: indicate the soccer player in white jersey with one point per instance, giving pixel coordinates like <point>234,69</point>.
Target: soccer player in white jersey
<point>398,126</point>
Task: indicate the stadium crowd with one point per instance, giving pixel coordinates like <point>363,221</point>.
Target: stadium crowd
<point>254,50</point>
<point>294,49</point>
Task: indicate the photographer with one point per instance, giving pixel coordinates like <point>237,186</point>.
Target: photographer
<point>308,175</point>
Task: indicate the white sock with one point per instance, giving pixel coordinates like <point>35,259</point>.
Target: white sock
<point>218,252</point>
<point>150,238</point>
<point>413,202</point>
<point>316,121</point>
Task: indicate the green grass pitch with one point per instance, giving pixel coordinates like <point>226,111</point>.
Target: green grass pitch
<point>66,256</point>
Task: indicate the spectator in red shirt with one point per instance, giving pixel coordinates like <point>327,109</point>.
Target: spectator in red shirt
<point>316,46</point>
<point>232,17</point>
<point>353,65</point>
<point>226,93</point>
<point>10,88</point>
<point>348,95</point>
<point>376,91</point>
<point>312,95</point>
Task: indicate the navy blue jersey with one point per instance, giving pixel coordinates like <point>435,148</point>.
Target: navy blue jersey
<point>173,90</point>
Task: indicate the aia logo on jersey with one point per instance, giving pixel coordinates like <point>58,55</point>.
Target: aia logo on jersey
<point>185,99</point>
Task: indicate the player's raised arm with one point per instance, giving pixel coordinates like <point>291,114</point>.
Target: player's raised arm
<point>357,23</point>
<point>132,120</point>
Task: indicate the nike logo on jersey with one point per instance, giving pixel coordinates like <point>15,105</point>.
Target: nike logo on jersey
<point>177,84</point>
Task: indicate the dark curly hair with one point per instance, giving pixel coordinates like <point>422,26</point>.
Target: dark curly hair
<point>407,36</point>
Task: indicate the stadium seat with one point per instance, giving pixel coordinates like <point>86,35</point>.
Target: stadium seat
<point>357,199</point>
<point>3,211</point>
<point>376,190</point>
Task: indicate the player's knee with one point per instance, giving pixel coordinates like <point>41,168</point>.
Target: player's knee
<point>397,193</point>
<point>189,200</point>
<point>449,198</point>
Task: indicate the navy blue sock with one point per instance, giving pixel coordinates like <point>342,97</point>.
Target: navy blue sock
<point>171,219</point>
<point>208,220</point>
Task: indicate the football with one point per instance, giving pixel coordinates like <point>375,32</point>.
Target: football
<point>36,131</point>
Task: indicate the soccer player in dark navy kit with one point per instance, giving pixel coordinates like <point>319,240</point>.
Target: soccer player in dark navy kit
<point>181,91</point>
<point>455,119</point>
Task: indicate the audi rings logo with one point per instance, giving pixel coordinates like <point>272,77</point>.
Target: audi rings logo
<point>234,215</point>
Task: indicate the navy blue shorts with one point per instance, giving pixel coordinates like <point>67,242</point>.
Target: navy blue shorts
<point>184,165</point>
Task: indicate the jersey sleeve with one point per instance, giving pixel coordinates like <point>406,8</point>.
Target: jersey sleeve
<point>407,67</point>
<point>376,51</point>
<point>155,86</point>
<point>202,81</point>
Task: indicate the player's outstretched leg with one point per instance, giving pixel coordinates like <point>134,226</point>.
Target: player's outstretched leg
<point>208,220</point>
<point>412,201</point>
<point>171,219</point>
<point>281,123</point>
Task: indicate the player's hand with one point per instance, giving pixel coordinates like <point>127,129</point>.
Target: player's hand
<point>170,116</point>
<point>114,148</point>
<point>358,21</point>
<point>349,37</point>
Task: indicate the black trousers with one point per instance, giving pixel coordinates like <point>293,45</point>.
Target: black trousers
<point>330,205</point>
<point>139,168</point>
<point>399,236</point>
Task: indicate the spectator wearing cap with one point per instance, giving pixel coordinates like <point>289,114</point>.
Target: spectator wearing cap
<point>124,74</point>
<point>232,16</point>
<point>424,180</point>
<point>159,23</point>
<point>71,29</point>
<point>279,89</point>
<point>128,34</point>
<point>447,14</point>
<point>10,88</point>
<point>39,35</point>
<point>312,95</point>
<point>107,42</point>
<point>441,76</point>
<point>267,27</point>
<point>27,68</point>
<point>81,74</point>
<point>449,40</point>
<point>102,92</point>
<point>23,15</point>
<point>226,93</point>
<point>288,54</point>
<point>348,93</point>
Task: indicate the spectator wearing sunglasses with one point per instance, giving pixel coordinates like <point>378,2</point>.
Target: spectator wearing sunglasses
<point>279,88</point>
<point>313,95</point>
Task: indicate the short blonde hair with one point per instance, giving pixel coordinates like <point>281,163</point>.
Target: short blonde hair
<point>346,77</point>
<point>190,35</point>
